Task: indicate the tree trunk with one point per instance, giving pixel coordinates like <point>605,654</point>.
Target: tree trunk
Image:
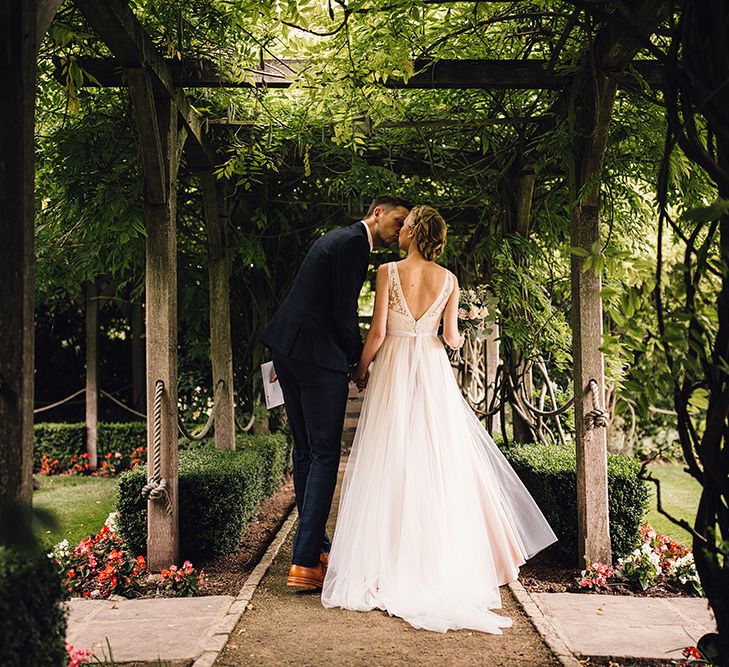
<point>221,350</point>
<point>17,81</point>
<point>92,372</point>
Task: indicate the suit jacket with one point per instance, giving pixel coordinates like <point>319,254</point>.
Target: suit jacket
<point>317,322</point>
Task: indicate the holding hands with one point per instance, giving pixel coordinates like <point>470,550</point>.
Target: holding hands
<point>360,376</point>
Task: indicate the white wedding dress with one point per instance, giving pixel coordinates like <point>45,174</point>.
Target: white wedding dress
<point>432,519</point>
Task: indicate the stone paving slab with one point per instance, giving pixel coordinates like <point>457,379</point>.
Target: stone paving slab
<point>146,630</point>
<point>626,626</point>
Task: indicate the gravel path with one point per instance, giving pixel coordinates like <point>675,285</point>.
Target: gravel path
<point>285,628</point>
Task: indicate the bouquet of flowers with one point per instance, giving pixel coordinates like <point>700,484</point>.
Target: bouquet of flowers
<point>477,311</point>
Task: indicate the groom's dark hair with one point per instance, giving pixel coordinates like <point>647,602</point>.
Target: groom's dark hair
<point>389,202</point>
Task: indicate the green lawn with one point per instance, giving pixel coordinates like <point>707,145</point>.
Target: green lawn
<point>680,495</point>
<point>80,505</point>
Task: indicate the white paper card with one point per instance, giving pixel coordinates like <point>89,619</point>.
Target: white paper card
<point>272,390</point>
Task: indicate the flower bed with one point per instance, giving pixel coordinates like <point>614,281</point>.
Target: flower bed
<point>110,465</point>
<point>60,448</point>
<point>658,557</point>
<point>659,567</point>
<point>101,566</point>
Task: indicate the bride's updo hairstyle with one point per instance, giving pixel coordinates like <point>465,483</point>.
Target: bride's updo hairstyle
<point>429,230</point>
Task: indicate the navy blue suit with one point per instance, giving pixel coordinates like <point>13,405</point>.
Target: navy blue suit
<point>314,337</point>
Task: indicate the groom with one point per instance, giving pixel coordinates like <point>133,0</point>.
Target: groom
<point>315,340</point>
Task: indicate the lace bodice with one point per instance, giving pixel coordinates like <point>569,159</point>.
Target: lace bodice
<point>399,317</point>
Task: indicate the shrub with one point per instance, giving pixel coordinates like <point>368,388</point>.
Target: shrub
<point>58,442</point>
<point>55,444</point>
<point>276,453</point>
<point>32,621</point>
<point>549,472</point>
<point>220,493</point>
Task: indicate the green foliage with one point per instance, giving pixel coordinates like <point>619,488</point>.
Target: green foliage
<point>62,441</point>
<point>220,493</point>
<point>549,472</point>
<point>32,621</point>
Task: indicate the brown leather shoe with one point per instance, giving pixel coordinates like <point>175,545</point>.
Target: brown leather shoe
<point>306,578</point>
<point>324,558</point>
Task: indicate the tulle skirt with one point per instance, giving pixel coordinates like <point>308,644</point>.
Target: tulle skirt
<point>432,519</point>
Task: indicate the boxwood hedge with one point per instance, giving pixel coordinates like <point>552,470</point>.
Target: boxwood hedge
<point>62,441</point>
<point>549,472</point>
<point>220,493</point>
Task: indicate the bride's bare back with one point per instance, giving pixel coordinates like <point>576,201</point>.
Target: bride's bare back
<point>421,282</point>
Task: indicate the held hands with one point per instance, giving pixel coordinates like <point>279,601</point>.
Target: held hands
<point>359,376</point>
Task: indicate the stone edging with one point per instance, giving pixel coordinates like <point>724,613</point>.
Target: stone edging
<point>546,630</point>
<point>216,643</point>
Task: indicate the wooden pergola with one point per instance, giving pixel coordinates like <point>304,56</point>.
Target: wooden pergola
<point>167,124</point>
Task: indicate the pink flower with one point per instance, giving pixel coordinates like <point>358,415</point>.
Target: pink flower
<point>77,656</point>
<point>462,314</point>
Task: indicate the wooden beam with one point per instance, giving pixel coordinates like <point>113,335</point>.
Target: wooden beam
<point>47,10</point>
<point>92,373</point>
<point>136,317</point>
<point>441,74</point>
<point>145,116</point>
<point>117,25</point>
<point>591,101</point>
<point>18,22</point>
<point>163,529</point>
<point>221,349</point>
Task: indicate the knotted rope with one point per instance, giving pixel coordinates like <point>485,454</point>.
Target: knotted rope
<point>156,486</point>
<point>597,417</point>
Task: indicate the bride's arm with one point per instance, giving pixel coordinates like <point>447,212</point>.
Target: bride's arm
<point>451,335</point>
<point>378,327</point>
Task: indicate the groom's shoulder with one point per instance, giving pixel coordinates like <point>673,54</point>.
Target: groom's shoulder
<point>341,236</point>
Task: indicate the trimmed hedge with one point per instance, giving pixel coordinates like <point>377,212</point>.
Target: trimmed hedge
<point>62,441</point>
<point>220,493</point>
<point>32,621</point>
<point>549,472</point>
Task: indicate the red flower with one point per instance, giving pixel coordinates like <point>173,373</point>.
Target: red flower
<point>692,652</point>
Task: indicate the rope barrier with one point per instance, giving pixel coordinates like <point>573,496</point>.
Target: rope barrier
<point>122,405</point>
<point>211,418</point>
<point>248,427</point>
<point>61,402</point>
<point>156,486</point>
<point>597,417</point>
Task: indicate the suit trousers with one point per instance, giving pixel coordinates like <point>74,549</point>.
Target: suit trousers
<point>316,400</point>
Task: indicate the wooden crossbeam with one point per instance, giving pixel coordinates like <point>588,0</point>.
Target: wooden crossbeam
<point>442,74</point>
<point>132,47</point>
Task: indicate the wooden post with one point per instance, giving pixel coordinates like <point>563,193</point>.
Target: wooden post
<point>520,181</point>
<point>585,169</point>
<point>139,380</point>
<point>221,350</point>
<point>161,145</point>
<point>92,369</point>
<point>18,26</point>
<point>590,103</point>
<point>491,362</point>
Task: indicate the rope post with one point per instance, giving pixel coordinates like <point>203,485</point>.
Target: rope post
<point>156,486</point>
<point>160,491</point>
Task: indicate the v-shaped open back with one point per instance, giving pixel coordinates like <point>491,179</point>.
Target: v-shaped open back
<point>400,316</point>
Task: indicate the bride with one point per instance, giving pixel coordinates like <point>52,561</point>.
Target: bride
<point>432,519</point>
